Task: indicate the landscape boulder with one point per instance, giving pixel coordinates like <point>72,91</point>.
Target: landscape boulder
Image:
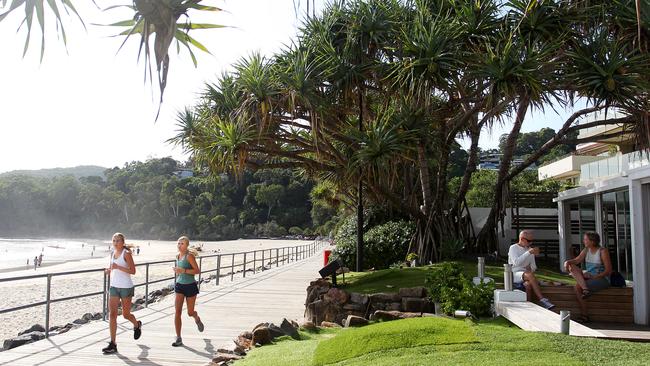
<point>355,321</point>
<point>261,336</point>
<point>289,329</point>
<point>413,292</point>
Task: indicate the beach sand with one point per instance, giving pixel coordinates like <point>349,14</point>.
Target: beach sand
<point>22,292</point>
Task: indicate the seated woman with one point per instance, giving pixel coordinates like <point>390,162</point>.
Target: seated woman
<point>595,277</point>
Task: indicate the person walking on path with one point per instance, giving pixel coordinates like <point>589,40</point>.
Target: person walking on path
<point>186,287</point>
<point>121,289</point>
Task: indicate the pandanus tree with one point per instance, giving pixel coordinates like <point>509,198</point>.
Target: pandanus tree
<point>419,74</point>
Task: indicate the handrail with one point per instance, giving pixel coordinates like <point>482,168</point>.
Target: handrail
<point>289,254</point>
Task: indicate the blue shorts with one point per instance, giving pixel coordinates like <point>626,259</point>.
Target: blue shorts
<point>187,289</point>
<point>121,292</point>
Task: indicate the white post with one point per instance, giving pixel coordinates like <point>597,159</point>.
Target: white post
<point>639,214</point>
<point>564,231</point>
<point>481,268</point>
<point>507,277</point>
<point>565,321</point>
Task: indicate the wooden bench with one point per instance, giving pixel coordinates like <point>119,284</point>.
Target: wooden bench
<point>613,305</point>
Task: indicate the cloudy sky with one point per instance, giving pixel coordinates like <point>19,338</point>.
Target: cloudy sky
<point>90,106</point>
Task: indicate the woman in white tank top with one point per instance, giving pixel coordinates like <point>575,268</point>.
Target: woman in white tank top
<point>121,290</point>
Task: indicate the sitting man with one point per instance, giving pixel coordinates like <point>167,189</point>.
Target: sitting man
<point>522,259</point>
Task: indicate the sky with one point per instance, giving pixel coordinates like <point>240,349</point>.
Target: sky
<point>86,104</point>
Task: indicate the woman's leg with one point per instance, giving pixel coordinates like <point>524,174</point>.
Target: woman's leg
<point>113,302</point>
<point>576,273</point>
<point>191,301</point>
<point>126,311</point>
<point>581,302</point>
<point>178,303</point>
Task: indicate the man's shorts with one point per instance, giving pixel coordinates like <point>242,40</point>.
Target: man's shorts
<point>121,292</point>
<point>187,289</point>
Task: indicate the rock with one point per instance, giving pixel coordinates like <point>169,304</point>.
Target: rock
<point>276,331</point>
<point>392,315</point>
<point>16,342</point>
<point>259,326</point>
<point>413,292</point>
<point>309,326</point>
<point>358,298</point>
<point>80,321</point>
<point>156,293</point>
<point>243,343</point>
<point>394,306</point>
<point>329,325</point>
<point>384,297</point>
<point>98,316</point>
<point>261,336</point>
<point>355,321</point>
<point>239,350</point>
<point>246,334</point>
<point>225,357</point>
<point>414,304</point>
<point>33,328</point>
<point>139,301</point>
<point>294,323</point>
<point>54,328</point>
<point>63,330</point>
<point>337,296</point>
<point>353,307</point>
<point>87,316</point>
<point>321,310</point>
<point>289,329</point>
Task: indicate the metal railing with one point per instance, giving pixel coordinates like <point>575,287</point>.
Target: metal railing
<point>266,257</point>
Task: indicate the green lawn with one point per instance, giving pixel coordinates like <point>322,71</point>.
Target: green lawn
<point>440,341</point>
<point>390,280</point>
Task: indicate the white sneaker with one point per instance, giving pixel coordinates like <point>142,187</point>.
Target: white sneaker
<point>546,304</point>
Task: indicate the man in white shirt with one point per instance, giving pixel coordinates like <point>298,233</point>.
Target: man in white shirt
<point>522,259</point>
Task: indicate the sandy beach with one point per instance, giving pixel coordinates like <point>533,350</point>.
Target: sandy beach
<point>24,292</point>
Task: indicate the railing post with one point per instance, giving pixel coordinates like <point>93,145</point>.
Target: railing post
<point>218,269</point>
<point>104,305</point>
<point>244,265</point>
<point>146,285</point>
<point>200,272</point>
<point>254,261</point>
<point>277,257</point>
<point>263,263</point>
<point>232,268</point>
<point>47,306</point>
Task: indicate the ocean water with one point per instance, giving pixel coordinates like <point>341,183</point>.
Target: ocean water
<point>14,253</point>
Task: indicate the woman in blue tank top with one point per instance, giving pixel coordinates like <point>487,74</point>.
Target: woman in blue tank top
<point>186,287</point>
<point>595,276</point>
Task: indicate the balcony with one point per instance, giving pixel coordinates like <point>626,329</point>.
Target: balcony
<point>565,168</point>
<point>611,167</point>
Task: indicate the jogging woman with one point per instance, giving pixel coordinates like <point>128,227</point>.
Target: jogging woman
<point>186,287</point>
<point>121,289</point>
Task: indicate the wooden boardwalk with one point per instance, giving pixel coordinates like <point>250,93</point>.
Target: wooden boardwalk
<point>226,311</point>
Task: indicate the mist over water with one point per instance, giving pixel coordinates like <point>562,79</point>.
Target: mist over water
<point>14,253</point>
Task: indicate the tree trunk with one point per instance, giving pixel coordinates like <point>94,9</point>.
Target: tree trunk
<point>487,239</point>
<point>472,160</point>
<point>425,179</point>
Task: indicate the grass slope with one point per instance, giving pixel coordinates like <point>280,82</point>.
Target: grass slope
<point>450,342</point>
<point>391,280</point>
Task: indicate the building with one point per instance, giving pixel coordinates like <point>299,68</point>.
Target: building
<point>492,161</point>
<point>613,199</point>
<point>184,173</point>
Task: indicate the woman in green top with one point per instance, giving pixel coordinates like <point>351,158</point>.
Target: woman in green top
<point>186,287</point>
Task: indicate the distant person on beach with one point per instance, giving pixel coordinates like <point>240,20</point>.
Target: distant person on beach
<point>35,262</point>
<point>121,289</point>
<point>27,262</point>
<point>186,287</point>
<point>40,259</point>
<point>137,250</point>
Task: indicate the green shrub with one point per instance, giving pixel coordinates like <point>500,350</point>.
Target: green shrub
<point>294,230</point>
<point>448,286</point>
<point>383,244</point>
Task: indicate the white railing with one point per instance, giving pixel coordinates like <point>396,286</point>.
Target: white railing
<point>613,166</point>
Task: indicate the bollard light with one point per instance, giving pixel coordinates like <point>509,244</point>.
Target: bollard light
<point>507,277</point>
<point>565,321</point>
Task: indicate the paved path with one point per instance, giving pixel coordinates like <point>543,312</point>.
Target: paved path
<point>226,311</point>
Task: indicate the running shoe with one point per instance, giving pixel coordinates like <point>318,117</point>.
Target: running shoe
<point>178,342</point>
<point>137,332</point>
<point>112,348</point>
